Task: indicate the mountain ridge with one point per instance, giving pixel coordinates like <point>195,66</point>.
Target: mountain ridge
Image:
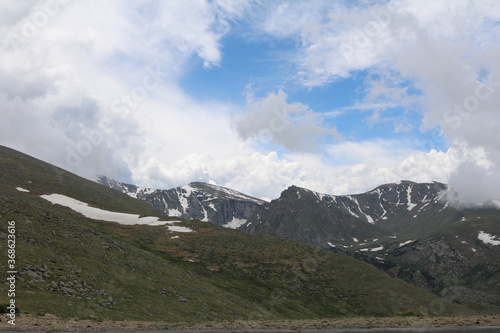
<point>196,200</point>
<point>406,228</point>
<point>74,266</point>
<point>148,194</point>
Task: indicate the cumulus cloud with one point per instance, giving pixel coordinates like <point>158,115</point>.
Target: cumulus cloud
<point>369,165</point>
<point>446,51</point>
<point>91,86</point>
<point>291,125</point>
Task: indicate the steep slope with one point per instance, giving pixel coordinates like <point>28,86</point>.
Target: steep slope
<point>409,230</point>
<point>404,209</point>
<point>74,266</point>
<point>462,253</point>
<point>197,200</point>
<point>312,218</point>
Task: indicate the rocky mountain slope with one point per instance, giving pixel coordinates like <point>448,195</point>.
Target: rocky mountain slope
<point>411,231</point>
<point>76,266</point>
<point>404,209</point>
<point>198,201</point>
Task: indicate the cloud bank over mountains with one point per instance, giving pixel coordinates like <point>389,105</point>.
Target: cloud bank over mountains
<point>96,88</point>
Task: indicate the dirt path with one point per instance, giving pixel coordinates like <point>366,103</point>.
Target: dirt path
<point>53,323</point>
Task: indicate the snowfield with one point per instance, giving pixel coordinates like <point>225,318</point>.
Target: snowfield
<point>488,238</point>
<point>405,243</point>
<point>179,229</point>
<point>106,215</point>
<point>235,223</point>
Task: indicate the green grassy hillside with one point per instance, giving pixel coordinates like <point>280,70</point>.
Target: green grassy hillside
<point>73,266</point>
<point>20,170</point>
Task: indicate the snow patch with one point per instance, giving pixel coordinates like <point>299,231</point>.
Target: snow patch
<point>183,197</point>
<point>350,211</point>
<point>380,200</point>
<point>405,243</point>
<point>355,239</point>
<point>369,218</point>
<point>373,249</point>
<point>175,228</point>
<point>235,194</point>
<point>173,212</point>
<point>445,206</point>
<point>488,238</point>
<point>20,189</point>
<point>408,196</point>
<point>235,223</point>
<point>423,207</point>
<point>331,245</point>
<point>101,214</point>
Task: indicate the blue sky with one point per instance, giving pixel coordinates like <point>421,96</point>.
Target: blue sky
<point>262,65</point>
<point>334,96</point>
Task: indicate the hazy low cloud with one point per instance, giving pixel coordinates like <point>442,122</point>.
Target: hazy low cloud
<point>474,184</point>
<point>272,120</point>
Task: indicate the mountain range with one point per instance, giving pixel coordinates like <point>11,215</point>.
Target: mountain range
<point>195,201</point>
<point>84,250</point>
<point>414,231</point>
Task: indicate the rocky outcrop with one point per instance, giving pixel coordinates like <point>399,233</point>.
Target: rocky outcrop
<point>418,278</point>
<point>464,295</point>
<point>197,200</point>
<point>320,219</point>
<point>307,217</point>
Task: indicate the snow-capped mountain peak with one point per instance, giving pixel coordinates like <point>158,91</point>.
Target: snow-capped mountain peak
<point>196,200</point>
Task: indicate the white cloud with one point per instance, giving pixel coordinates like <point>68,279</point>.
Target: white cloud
<point>474,184</point>
<point>446,50</point>
<point>369,165</point>
<point>291,125</point>
<point>94,87</point>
